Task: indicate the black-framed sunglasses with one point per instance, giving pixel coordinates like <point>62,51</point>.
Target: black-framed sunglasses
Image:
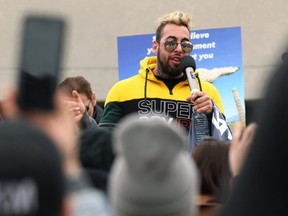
<point>171,45</point>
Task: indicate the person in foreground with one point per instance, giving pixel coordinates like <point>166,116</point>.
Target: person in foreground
<point>261,187</point>
<point>58,124</point>
<point>161,88</point>
<point>31,176</point>
<point>152,173</point>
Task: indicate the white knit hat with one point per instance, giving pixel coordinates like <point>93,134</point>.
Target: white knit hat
<point>152,174</point>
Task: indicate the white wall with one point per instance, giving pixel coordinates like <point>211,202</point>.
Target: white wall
<point>91,45</point>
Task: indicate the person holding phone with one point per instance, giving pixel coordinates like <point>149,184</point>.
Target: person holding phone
<point>45,108</point>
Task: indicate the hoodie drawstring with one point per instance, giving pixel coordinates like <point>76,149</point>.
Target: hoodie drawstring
<point>145,85</point>
<point>196,74</point>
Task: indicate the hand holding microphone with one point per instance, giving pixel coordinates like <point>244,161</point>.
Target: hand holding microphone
<point>202,102</point>
<point>199,128</point>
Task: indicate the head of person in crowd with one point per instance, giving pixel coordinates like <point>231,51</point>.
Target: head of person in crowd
<point>83,87</point>
<point>211,158</point>
<point>173,33</point>
<point>31,177</point>
<point>152,173</point>
<point>78,98</point>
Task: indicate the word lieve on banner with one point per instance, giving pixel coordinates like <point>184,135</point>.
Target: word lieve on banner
<point>199,46</point>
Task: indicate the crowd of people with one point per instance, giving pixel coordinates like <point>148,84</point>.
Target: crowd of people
<point>126,160</point>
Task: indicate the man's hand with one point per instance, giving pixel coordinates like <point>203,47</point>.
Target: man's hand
<point>202,102</point>
<point>76,106</point>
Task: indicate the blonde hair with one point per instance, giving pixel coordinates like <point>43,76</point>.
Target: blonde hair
<point>177,17</point>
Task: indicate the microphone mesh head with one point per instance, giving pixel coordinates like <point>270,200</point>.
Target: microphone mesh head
<point>187,61</point>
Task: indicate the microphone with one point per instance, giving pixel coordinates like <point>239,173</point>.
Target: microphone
<point>199,128</point>
<point>188,65</point>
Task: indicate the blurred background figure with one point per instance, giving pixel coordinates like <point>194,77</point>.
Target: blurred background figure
<point>152,173</point>
<point>32,180</point>
<point>95,151</point>
<point>88,97</point>
<point>261,186</point>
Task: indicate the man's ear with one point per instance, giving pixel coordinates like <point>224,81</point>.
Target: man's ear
<point>94,99</point>
<point>155,47</point>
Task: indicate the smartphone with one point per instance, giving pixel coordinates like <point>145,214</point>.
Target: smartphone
<point>40,61</point>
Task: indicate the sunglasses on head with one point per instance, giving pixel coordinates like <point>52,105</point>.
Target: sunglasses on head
<point>171,45</point>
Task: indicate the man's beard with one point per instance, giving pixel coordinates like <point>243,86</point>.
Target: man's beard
<point>165,70</point>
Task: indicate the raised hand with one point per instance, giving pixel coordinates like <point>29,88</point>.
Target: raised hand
<point>242,139</point>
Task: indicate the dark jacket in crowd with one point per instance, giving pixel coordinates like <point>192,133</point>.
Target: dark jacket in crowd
<point>98,113</point>
<point>96,154</point>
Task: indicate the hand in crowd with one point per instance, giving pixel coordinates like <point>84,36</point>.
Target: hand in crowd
<point>75,106</point>
<point>8,105</point>
<point>202,102</point>
<point>242,138</point>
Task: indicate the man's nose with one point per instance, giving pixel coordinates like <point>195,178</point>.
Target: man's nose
<point>178,47</point>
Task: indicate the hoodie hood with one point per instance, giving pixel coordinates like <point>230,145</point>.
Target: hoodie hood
<point>147,65</point>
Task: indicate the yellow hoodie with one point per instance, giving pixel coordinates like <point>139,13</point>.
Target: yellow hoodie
<point>149,96</point>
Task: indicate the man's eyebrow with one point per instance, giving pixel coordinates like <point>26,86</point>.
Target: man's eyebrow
<point>171,37</point>
<point>185,39</point>
<point>175,38</point>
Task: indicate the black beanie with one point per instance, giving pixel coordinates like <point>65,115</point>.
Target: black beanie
<point>31,176</point>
